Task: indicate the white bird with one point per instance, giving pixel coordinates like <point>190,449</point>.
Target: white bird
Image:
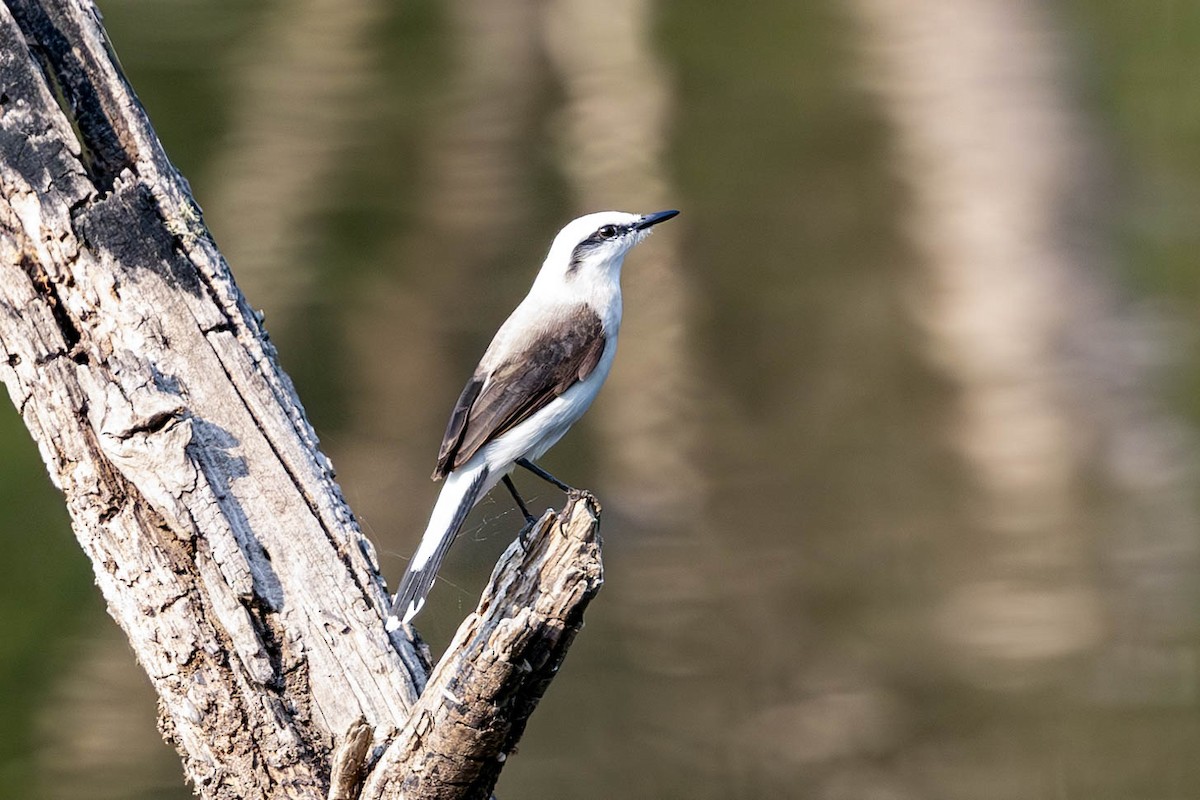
<point>542,370</point>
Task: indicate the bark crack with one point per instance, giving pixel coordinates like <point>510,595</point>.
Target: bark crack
<point>46,288</point>
<point>314,508</point>
<point>103,155</point>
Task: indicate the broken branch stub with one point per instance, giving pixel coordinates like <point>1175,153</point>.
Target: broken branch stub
<point>504,655</point>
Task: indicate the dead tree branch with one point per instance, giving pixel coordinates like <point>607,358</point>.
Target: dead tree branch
<point>218,535</point>
<point>503,657</point>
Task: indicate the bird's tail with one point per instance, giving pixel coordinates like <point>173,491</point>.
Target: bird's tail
<point>458,496</point>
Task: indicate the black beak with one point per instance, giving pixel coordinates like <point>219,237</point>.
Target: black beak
<point>653,219</point>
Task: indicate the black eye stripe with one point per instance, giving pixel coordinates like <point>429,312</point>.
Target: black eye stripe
<point>601,236</point>
<point>606,233</point>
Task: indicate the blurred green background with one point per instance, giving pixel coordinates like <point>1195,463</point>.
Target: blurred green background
<point>899,456</point>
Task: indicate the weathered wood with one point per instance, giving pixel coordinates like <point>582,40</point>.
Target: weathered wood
<point>218,535</point>
<point>350,761</point>
<point>504,655</point>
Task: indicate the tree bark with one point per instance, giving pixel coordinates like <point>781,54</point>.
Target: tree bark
<point>218,535</point>
<point>471,715</point>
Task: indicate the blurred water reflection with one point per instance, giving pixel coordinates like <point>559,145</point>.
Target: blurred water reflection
<point>900,493</point>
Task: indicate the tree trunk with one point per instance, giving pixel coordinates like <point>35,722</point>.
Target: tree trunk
<point>218,536</point>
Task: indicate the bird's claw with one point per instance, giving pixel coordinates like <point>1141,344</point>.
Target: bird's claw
<point>524,535</point>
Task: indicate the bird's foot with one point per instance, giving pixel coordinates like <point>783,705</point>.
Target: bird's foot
<point>525,535</point>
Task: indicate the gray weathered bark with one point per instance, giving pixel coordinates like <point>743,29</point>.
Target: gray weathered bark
<point>219,538</point>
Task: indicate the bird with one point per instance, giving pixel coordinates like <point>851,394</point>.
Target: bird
<point>538,376</point>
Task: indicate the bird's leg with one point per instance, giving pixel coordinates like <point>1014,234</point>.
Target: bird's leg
<point>541,473</point>
<point>529,518</point>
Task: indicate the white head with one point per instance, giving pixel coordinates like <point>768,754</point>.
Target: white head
<point>591,249</point>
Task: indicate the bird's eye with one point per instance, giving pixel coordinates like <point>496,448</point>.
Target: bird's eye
<point>608,232</point>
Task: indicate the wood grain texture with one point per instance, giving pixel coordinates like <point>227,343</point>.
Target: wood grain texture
<point>218,535</point>
<point>504,655</point>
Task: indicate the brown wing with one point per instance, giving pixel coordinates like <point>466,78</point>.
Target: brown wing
<point>493,403</point>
